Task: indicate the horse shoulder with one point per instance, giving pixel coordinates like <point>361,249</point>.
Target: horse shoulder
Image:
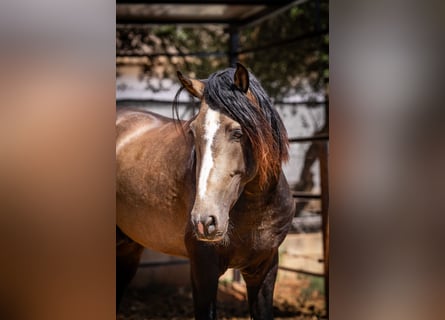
<point>151,158</point>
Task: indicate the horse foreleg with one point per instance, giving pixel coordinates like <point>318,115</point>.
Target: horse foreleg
<point>204,274</point>
<point>128,254</point>
<point>260,282</point>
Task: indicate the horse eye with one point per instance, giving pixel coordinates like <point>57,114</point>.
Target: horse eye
<point>236,134</point>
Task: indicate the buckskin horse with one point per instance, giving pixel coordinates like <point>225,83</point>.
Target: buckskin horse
<point>210,189</point>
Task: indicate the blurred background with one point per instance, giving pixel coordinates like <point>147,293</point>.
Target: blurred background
<point>58,92</point>
<point>285,45</point>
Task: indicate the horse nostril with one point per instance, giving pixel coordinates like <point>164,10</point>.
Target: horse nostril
<point>200,228</point>
<point>210,224</point>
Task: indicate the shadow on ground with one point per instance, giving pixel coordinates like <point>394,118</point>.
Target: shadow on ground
<point>176,303</point>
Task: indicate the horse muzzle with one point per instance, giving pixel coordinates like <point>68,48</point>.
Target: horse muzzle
<point>207,228</point>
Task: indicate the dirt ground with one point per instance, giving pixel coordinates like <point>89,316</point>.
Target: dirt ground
<point>296,297</point>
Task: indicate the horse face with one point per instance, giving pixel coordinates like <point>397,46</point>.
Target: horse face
<point>220,168</point>
<point>220,161</point>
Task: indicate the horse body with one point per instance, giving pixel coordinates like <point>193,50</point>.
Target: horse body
<point>154,205</point>
<point>206,189</point>
<point>152,200</point>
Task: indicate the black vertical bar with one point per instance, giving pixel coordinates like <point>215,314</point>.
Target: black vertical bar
<point>325,217</point>
<point>233,59</point>
<point>317,16</point>
<point>324,175</point>
<point>233,45</point>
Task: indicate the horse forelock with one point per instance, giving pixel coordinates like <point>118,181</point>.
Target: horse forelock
<point>259,120</point>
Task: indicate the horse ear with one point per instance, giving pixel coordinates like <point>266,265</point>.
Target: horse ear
<point>241,78</point>
<point>195,87</point>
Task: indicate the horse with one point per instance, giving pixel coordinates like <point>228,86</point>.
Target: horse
<point>210,189</point>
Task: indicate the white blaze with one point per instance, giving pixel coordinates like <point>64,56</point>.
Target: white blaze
<point>211,125</point>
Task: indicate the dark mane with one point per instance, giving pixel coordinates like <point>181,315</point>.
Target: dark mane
<point>261,123</point>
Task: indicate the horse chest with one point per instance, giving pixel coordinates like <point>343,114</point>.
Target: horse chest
<point>256,232</point>
<point>250,252</point>
<point>259,239</point>
<point>247,246</point>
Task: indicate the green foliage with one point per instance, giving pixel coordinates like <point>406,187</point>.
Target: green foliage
<point>283,69</point>
<point>149,44</point>
<point>300,66</point>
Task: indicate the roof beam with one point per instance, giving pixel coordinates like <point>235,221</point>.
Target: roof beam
<point>275,3</point>
<point>271,8</point>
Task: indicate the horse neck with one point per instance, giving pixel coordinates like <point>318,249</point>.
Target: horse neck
<point>260,204</point>
<point>253,189</point>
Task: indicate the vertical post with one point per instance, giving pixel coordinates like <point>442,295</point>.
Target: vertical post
<point>233,59</point>
<point>233,45</point>
<point>317,16</point>
<point>325,209</point>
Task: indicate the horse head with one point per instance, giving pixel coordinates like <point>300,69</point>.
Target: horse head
<point>229,134</point>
